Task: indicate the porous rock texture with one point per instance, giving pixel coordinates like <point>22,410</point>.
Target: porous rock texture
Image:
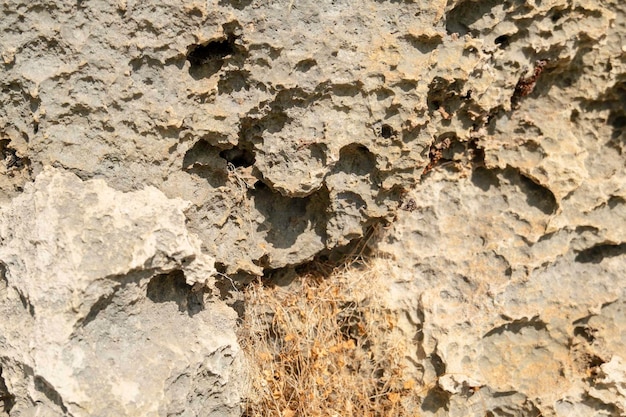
<point>253,136</point>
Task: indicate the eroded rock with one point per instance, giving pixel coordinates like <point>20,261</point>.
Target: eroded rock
<point>107,306</point>
<point>519,317</point>
<point>497,128</point>
<point>324,112</point>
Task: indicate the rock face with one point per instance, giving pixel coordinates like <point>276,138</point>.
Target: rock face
<point>241,136</point>
<point>104,306</point>
<point>327,111</point>
<point>530,316</point>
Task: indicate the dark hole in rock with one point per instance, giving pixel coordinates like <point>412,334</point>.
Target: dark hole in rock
<point>207,59</point>
<point>407,85</point>
<point>619,122</point>
<point>356,159</point>
<point>477,152</point>
<point>556,16</point>
<point>585,332</point>
<point>9,155</point>
<point>436,400</point>
<point>328,261</point>
<point>6,398</point>
<point>463,16</point>
<point>195,12</point>
<point>287,218</point>
<point>613,202</point>
<point>233,81</point>
<point>281,277</point>
<point>173,287</point>
<point>423,44</point>
<point>387,131</point>
<point>220,267</point>
<point>443,92</point>
<point>239,157</point>
<point>203,160</point>
<point>201,54</point>
<point>263,261</point>
<point>594,361</point>
<point>502,41</point>
<point>616,98</point>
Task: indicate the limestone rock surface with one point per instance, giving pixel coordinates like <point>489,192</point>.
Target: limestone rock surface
<point>511,273</point>
<point>107,308</point>
<point>529,317</point>
<point>199,142</point>
<point>326,110</point>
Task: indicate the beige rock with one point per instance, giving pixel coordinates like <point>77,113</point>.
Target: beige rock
<point>293,129</point>
<point>114,296</point>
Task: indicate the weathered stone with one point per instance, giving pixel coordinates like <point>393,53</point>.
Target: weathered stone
<point>292,128</point>
<point>322,112</point>
<point>110,289</point>
<point>524,313</point>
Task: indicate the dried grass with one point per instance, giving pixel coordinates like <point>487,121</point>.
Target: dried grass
<point>324,347</point>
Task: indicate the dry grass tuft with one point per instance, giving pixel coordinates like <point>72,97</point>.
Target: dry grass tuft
<point>324,347</point>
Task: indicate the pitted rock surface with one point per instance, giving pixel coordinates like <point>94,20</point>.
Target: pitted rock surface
<point>291,127</point>
<point>250,136</point>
